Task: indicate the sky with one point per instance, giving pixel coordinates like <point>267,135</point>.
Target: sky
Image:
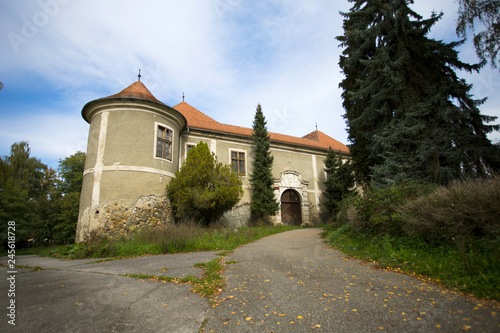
<point>225,56</point>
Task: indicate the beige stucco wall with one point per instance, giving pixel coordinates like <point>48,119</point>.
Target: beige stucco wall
<point>122,174</point>
<point>308,163</point>
<point>121,167</point>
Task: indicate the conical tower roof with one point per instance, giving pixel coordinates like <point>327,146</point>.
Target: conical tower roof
<point>136,90</point>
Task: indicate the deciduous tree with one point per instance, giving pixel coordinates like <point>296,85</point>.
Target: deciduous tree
<point>64,206</point>
<point>25,187</point>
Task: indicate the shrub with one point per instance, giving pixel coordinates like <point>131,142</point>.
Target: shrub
<point>347,211</point>
<point>203,190</point>
<point>376,209</point>
<point>463,211</point>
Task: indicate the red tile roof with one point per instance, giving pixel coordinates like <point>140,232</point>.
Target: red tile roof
<point>199,120</point>
<point>136,90</point>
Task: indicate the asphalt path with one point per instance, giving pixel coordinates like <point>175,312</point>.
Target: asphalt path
<point>294,282</point>
<point>289,282</point>
<point>85,296</point>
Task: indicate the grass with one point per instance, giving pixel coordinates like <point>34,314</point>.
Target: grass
<point>171,239</point>
<point>450,234</point>
<point>33,269</point>
<point>211,283</point>
<point>41,251</point>
<point>475,271</point>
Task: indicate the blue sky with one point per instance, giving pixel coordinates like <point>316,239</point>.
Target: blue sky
<point>225,55</point>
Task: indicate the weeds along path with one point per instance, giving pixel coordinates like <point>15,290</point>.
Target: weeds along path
<point>294,282</point>
<point>81,296</point>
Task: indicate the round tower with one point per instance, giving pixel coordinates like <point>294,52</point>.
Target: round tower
<point>132,153</point>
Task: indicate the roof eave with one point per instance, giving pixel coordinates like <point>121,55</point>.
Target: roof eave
<point>86,106</point>
<point>272,141</point>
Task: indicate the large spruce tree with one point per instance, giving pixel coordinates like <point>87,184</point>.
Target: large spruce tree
<point>263,203</point>
<point>408,113</point>
<point>474,15</point>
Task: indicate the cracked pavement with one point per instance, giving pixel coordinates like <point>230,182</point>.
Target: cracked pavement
<point>288,282</point>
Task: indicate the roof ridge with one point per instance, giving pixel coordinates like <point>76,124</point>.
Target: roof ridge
<point>205,122</point>
<point>183,102</point>
<point>310,136</point>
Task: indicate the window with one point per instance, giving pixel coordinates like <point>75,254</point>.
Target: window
<point>164,143</point>
<point>238,162</point>
<point>189,146</point>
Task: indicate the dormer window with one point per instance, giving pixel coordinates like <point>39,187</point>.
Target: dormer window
<point>164,143</point>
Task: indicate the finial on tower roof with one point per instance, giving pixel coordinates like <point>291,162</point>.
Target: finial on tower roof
<point>183,96</point>
<point>139,76</point>
<point>316,126</point>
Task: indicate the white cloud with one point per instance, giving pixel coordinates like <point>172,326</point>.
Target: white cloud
<point>226,55</point>
<point>51,137</point>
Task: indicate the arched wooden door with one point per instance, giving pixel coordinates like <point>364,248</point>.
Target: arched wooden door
<point>290,208</point>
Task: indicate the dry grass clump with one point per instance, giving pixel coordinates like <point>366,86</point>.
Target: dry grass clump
<point>462,211</point>
<point>451,234</point>
<point>172,238</point>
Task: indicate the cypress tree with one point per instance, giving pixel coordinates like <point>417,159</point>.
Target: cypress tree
<point>408,113</point>
<point>263,203</point>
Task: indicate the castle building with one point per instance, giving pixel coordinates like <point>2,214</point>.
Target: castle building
<point>136,144</point>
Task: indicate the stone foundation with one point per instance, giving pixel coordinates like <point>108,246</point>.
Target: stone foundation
<point>238,217</point>
<point>117,219</point>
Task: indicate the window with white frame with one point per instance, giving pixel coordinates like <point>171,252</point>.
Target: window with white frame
<point>238,162</point>
<point>189,146</point>
<point>164,143</point>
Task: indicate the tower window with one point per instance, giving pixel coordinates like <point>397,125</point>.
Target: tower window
<point>164,143</point>
<point>238,162</point>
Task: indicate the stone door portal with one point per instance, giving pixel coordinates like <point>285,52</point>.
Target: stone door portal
<point>290,208</point>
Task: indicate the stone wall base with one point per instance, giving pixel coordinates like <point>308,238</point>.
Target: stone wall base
<point>238,217</point>
<point>118,219</point>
